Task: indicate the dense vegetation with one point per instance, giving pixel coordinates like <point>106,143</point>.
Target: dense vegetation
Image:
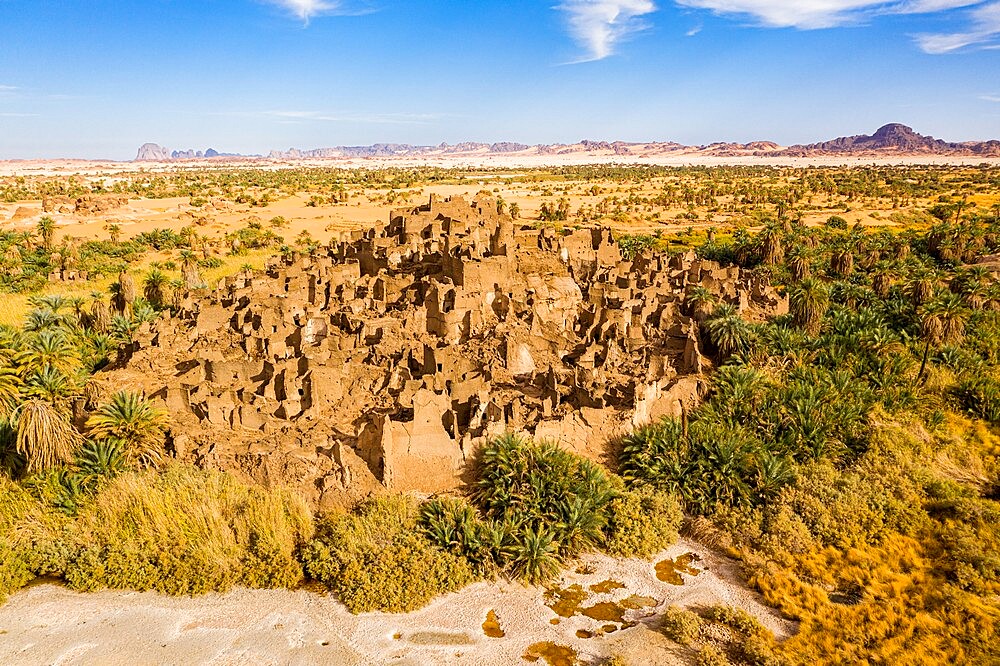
<point>847,448</point>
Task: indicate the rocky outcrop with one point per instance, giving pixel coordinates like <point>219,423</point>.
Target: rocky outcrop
<point>895,138</point>
<point>88,204</point>
<point>151,152</point>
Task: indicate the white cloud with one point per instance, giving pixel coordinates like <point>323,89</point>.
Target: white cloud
<point>810,14</point>
<point>983,32</point>
<point>990,98</point>
<point>8,89</point>
<point>599,25</point>
<point>306,9</point>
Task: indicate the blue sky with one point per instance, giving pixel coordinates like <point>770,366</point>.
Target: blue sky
<point>96,78</point>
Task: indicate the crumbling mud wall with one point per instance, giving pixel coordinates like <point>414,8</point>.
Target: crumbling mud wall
<point>384,360</point>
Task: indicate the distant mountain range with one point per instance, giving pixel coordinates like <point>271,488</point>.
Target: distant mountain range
<point>889,140</point>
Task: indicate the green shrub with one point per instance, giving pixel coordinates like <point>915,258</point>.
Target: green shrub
<point>541,486</point>
<point>378,558</point>
<point>641,522</point>
<point>980,395</point>
<point>710,467</point>
<point>455,525</point>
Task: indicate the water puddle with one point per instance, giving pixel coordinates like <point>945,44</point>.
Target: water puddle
<point>565,602</point>
<point>605,611</point>
<point>669,571</point>
<point>606,586</point>
<point>553,654</point>
<point>569,601</point>
<point>491,627</point>
<point>583,633</point>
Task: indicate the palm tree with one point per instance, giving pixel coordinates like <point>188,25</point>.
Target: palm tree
<point>842,262</point>
<point>189,269</point>
<point>46,231</point>
<point>44,435</point>
<point>729,332</point>
<point>51,348</point>
<point>808,302</point>
<point>55,303</point>
<point>100,314</point>
<point>12,261</point>
<point>155,288</point>
<point>133,420</point>
<point>11,347</point>
<point>52,386</point>
<point>882,282</point>
<point>114,232</point>
<point>922,286</point>
<point>799,262</point>
<point>10,390</point>
<point>771,249</point>
<point>942,322</point>
<point>702,302</point>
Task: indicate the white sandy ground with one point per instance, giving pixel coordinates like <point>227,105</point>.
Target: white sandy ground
<point>48,624</point>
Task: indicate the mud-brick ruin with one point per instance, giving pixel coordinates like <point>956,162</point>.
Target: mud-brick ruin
<point>386,359</point>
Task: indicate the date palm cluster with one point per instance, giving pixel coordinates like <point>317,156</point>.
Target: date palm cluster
<point>57,424</point>
<point>878,321</point>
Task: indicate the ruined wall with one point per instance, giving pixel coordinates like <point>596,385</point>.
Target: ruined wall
<point>387,358</point>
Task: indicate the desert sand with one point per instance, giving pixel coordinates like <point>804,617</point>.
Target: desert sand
<point>48,624</point>
<point>95,167</point>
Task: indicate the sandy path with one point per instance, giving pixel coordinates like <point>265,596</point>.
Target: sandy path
<point>47,624</point>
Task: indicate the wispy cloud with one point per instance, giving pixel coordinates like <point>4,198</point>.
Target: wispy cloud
<point>306,9</point>
<point>811,14</point>
<point>990,98</point>
<point>599,25</point>
<point>8,89</point>
<point>983,32</point>
<point>6,114</point>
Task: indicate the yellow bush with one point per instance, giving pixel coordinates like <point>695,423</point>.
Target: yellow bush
<point>186,531</point>
<point>378,559</point>
<point>27,530</point>
<point>641,522</point>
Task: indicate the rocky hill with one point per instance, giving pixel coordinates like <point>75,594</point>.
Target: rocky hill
<point>895,137</point>
<point>891,139</point>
